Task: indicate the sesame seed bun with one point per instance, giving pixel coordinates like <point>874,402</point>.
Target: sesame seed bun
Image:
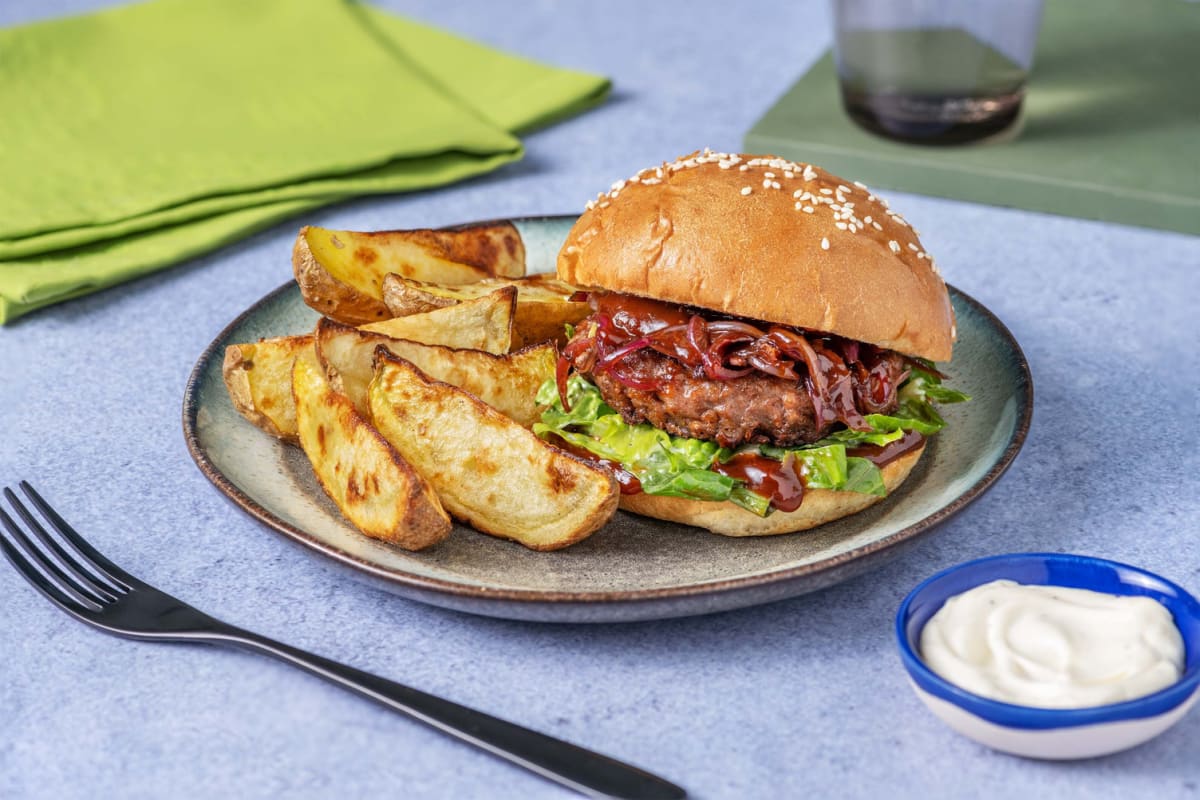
<point>819,506</point>
<point>768,239</point>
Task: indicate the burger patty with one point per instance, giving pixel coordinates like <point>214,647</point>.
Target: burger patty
<point>752,409</point>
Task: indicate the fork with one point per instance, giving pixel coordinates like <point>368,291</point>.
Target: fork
<point>78,579</point>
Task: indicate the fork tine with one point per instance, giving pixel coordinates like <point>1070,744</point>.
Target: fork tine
<point>102,565</point>
<point>79,574</point>
<point>65,593</point>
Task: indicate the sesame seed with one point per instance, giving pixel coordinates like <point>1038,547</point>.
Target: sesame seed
<point>844,189</point>
<point>876,226</point>
<point>768,174</point>
<point>808,209</point>
<point>841,226</point>
<point>852,228</point>
<point>590,205</point>
<point>799,193</point>
<point>894,245</point>
<point>743,167</point>
<point>746,190</point>
<point>618,186</point>
<point>788,174</point>
<point>774,184</point>
<point>913,247</point>
<point>809,172</point>
<point>825,243</point>
<point>766,183</point>
<point>860,184</point>
<point>867,219</point>
<point>827,191</point>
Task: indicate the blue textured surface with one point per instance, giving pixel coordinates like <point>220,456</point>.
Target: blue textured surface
<point>805,696</point>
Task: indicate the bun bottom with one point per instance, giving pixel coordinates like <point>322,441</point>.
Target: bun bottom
<point>819,506</point>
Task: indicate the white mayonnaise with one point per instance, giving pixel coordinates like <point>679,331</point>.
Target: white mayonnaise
<point>1053,647</point>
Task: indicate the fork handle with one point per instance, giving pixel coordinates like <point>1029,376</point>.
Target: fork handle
<point>586,772</point>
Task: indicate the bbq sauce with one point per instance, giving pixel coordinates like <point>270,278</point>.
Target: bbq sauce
<point>779,481</point>
<point>625,479</point>
<point>882,455</point>
<point>638,316</point>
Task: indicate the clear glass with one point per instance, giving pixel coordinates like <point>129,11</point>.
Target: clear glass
<point>935,71</point>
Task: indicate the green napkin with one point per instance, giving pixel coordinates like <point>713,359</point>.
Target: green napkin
<point>1111,129</point>
<point>150,133</point>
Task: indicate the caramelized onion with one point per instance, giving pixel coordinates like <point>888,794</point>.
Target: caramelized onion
<point>841,376</point>
<point>734,326</point>
<point>561,370</point>
<point>608,359</point>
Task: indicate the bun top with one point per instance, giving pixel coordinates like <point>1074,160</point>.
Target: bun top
<point>769,239</point>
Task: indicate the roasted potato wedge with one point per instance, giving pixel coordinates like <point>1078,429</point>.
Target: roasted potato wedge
<point>340,273</point>
<point>259,379</point>
<point>487,469</point>
<point>484,323</point>
<point>370,482</point>
<point>543,306</point>
<point>404,295</point>
<point>508,383</point>
<point>536,321</point>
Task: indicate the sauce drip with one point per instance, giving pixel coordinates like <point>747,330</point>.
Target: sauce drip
<point>779,481</point>
<point>637,316</point>
<point>625,479</point>
<point>882,455</point>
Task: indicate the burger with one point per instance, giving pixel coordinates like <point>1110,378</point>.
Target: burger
<point>759,357</point>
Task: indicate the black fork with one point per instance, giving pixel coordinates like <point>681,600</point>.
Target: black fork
<point>78,579</point>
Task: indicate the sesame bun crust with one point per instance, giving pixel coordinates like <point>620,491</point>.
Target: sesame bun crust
<point>819,506</point>
<point>731,233</point>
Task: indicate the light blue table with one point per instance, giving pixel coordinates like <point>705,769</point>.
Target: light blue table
<point>800,698</point>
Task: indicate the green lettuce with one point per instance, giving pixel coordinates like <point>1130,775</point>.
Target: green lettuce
<point>677,466</point>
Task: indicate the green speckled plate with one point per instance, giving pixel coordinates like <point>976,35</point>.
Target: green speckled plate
<point>634,568</point>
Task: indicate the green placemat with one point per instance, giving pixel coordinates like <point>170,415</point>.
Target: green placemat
<point>1111,128</point>
<point>139,136</point>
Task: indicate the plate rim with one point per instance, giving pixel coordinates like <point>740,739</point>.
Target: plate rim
<point>438,586</point>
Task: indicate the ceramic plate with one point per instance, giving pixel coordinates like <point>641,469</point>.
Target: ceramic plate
<point>634,568</point>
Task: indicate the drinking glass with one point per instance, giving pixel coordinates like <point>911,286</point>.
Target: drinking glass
<point>935,71</point>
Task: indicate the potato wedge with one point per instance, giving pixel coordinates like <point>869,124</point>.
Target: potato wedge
<point>404,295</point>
<point>542,312</point>
<point>259,379</point>
<point>340,273</point>
<point>508,383</point>
<point>487,469</point>
<point>484,323</point>
<point>537,321</point>
<point>375,488</point>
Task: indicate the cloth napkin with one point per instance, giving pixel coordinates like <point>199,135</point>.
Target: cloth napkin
<point>137,137</point>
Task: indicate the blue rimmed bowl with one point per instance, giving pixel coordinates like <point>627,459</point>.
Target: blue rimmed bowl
<point>1051,733</point>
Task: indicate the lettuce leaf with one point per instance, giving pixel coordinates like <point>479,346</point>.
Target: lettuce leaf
<point>677,466</point>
